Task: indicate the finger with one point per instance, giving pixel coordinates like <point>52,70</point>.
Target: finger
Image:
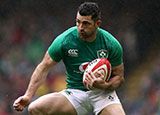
<point>100,74</point>
<point>92,76</point>
<point>19,108</point>
<point>88,78</point>
<point>16,105</point>
<point>17,101</point>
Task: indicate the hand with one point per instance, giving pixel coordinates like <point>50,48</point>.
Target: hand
<point>97,80</point>
<point>21,103</point>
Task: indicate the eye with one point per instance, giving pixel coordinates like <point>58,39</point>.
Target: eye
<point>86,23</point>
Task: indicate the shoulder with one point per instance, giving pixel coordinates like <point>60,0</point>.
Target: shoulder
<point>67,35</point>
<point>106,34</point>
<point>69,32</point>
<point>108,37</point>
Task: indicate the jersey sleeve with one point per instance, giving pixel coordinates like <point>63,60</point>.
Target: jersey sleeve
<point>116,54</point>
<point>55,49</point>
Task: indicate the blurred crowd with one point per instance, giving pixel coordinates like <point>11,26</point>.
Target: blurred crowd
<point>145,97</point>
<point>27,28</point>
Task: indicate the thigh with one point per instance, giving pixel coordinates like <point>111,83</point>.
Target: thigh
<point>113,109</point>
<point>54,104</point>
<point>80,100</point>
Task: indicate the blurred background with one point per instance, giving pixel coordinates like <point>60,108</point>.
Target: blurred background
<point>28,27</point>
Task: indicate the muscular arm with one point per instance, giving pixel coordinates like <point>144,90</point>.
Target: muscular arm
<point>39,75</point>
<point>117,77</point>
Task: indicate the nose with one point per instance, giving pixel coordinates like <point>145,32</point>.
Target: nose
<point>80,27</point>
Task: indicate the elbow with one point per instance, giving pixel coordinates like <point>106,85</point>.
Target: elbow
<point>122,80</point>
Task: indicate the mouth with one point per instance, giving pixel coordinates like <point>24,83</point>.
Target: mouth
<point>82,32</point>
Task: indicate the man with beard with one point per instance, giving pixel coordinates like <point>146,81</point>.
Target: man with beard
<point>77,47</point>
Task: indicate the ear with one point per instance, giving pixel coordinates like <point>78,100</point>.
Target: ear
<point>98,23</point>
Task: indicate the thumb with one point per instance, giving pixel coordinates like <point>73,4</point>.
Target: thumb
<point>100,74</point>
<point>17,100</point>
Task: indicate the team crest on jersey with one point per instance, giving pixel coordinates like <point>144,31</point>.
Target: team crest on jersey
<point>102,53</point>
<point>73,52</point>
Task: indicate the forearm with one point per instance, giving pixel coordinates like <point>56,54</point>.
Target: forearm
<point>115,82</point>
<point>117,77</point>
<point>38,77</point>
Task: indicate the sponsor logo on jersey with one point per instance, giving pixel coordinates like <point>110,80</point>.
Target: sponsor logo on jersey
<point>102,53</point>
<point>73,52</point>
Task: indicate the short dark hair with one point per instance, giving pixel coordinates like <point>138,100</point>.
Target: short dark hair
<point>90,9</point>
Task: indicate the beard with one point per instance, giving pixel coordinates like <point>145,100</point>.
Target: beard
<point>84,35</point>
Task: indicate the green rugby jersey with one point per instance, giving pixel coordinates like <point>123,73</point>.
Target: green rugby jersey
<point>75,53</point>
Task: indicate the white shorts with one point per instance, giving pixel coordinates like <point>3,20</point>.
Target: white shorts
<point>86,102</point>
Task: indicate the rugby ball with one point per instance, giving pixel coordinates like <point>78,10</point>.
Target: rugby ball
<point>99,64</point>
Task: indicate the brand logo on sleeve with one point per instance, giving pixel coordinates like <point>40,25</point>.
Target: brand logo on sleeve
<point>73,52</point>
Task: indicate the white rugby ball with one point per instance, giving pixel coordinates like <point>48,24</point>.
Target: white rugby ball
<point>99,64</point>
